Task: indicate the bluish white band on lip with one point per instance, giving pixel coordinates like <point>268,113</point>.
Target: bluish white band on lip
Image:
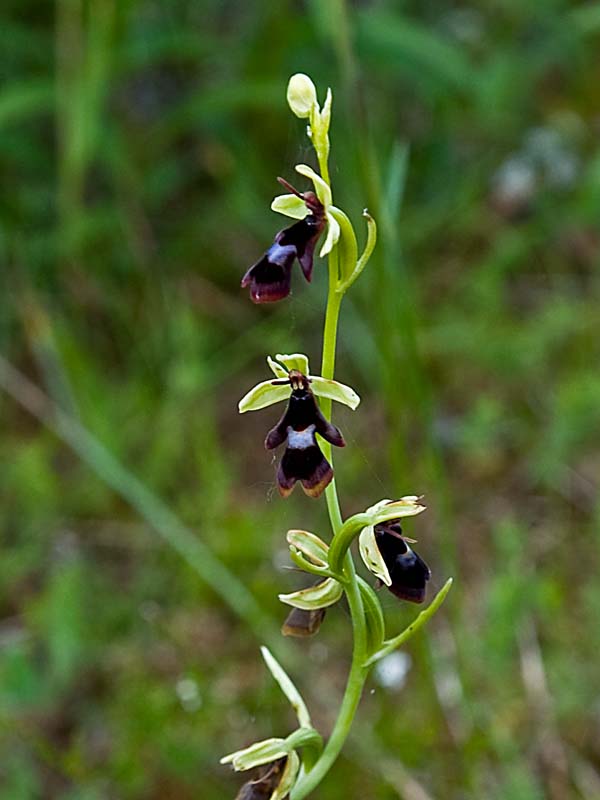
<point>299,440</point>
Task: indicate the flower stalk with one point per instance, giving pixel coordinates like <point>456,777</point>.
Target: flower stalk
<point>383,547</point>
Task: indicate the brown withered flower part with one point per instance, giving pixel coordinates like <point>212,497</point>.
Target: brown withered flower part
<point>302,623</point>
<point>303,460</point>
<point>262,787</point>
<point>270,277</point>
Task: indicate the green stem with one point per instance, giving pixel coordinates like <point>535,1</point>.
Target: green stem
<point>358,672</point>
<point>352,695</point>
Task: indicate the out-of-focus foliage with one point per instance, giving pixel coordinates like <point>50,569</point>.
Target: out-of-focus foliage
<point>139,145</point>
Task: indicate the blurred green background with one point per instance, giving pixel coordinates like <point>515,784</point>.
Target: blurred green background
<point>142,545</point>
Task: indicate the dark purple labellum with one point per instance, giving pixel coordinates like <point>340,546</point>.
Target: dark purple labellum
<point>262,788</point>
<point>270,277</point>
<point>408,571</point>
<point>303,460</point>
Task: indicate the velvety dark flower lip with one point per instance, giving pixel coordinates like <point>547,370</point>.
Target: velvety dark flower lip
<point>303,460</point>
<point>269,279</point>
<point>407,570</point>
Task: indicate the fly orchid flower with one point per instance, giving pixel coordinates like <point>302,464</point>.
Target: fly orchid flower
<point>270,277</point>
<point>309,605</point>
<point>292,205</point>
<point>302,460</point>
<point>387,553</point>
<point>280,766</point>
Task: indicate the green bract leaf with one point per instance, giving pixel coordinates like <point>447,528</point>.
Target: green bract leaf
<point>366,254</point>
<point>309,545</point>
<point>257,754</point>
<point>373,615</point>
<point>333,390</point>
<point>371,555</point>
<point>294,361</point>
<point>290,205</point>
<point>301,95</point>
<point>262,395</point>
<point>308,566</point>
<point>287,687</point>
<point>323,594</point>
<point>347,246</point>
<point>391,644</point>
<point>321,187</point>
<point>288,777</point>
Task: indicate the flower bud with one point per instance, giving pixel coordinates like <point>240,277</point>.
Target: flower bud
<point>301,95</point>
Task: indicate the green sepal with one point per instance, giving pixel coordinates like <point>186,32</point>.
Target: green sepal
<point>322,188</point>
<point>297,361</point>
<point>290,206</point>
<point>321,595</point>
<point>306,566</point>
<point>262,395</point>
<point>315,549</point>
<point>257,754</point>
<point>408,506</point>
<point>334,390</point>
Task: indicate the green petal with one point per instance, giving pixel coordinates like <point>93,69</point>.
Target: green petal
<point>262,395</point>
<point>288,777</point>
<point>321,595</point>
<point>257,754</point>
<point>370,554</point>
<point>290,205</point>
<point>335,391</point>
<point>309,545</point>
<point>276,368</point>
<point>333,235</point>
<point>294,361</point>
<point>321,187</point>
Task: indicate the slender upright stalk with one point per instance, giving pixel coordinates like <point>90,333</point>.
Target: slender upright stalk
<point>334,562</point>
<point>358,672</point>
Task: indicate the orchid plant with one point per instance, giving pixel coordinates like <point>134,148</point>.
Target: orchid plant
<point>294,766</point>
